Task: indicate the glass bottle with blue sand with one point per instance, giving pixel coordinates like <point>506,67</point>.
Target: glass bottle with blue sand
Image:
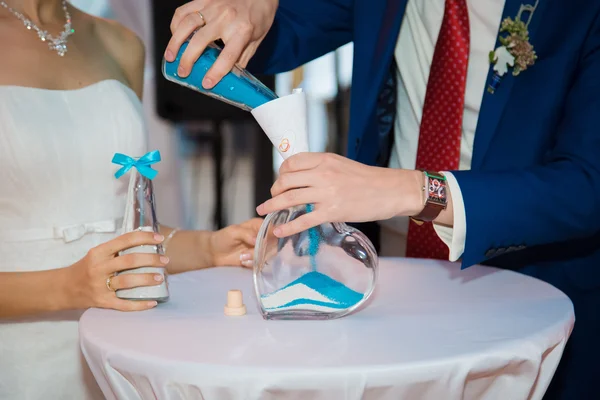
<point>238,88</point>
<point>324,272</point>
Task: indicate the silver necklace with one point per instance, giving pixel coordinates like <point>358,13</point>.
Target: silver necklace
<point>58,44</point>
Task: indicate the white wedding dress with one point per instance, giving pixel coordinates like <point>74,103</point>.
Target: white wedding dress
<point>58,199</point>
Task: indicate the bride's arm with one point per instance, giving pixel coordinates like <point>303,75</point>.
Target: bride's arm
<point>37,292</point>
<point>189,250</point>
<point>83,284</point>
<point>26,293</point>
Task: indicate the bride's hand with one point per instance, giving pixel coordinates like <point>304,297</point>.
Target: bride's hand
<point>233,245</point>
<point>86,280</point>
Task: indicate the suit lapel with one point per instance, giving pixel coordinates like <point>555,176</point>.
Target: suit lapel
<point>493,105</point>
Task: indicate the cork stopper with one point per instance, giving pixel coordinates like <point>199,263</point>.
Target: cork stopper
<point>235,303</point>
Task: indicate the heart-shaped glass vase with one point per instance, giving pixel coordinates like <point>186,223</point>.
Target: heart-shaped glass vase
<point>325,272</point>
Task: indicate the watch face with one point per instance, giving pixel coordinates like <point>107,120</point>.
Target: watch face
<point>437,191</point>
<point>441,192</point>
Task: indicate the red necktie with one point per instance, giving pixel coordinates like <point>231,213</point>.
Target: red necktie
<point>441,124</point>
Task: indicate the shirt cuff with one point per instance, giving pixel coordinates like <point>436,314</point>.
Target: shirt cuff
<point>454,237</point>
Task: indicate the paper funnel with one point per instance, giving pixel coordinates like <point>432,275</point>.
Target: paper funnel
<point>284,122</point>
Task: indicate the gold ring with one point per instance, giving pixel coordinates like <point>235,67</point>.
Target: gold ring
<point>202,18</point>
<point>108,283</point>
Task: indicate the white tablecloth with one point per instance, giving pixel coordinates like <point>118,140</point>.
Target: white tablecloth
<point>431,332</point>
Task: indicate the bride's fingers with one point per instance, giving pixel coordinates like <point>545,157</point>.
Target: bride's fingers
<point>126,241</point>
<point>247,255</point>
<point>249,238</point>
<point>253,224</point>
<point>243,235</point>
<point>247,258</point>
<point>128,281</point>
<point>136,260</point>
<point>116,303</point>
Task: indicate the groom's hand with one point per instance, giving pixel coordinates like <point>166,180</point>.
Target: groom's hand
<point>240,24</point>
<point>341,190</point>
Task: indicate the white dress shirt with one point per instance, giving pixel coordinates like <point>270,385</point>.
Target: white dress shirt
<point>414,52</point>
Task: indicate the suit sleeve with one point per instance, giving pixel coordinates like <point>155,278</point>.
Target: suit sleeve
<point>303,30</point>
<point>548,203</point>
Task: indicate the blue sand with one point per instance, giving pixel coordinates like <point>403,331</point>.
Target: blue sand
<point>236,89</point>
<point>314,239</point>
<point>340,295</point>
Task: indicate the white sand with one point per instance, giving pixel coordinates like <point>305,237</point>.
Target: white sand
<point>275,300</point>
<point>145,292</point>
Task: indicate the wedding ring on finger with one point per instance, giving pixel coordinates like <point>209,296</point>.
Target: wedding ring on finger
<point>202,18</point>
<point>109,283</point>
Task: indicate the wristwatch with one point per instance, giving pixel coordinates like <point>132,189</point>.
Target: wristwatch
<point>435,197</point>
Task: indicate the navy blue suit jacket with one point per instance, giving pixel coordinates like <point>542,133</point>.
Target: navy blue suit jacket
<point>533,191</point>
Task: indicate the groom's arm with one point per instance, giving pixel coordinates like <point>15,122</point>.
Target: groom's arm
<point>548,203</point>
<point>303,30</point>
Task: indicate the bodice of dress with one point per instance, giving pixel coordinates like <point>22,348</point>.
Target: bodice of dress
<point>56,177</point>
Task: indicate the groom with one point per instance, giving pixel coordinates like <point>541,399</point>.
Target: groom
<point>510,147</point>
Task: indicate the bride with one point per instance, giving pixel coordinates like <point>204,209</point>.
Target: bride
<point>70,90</point>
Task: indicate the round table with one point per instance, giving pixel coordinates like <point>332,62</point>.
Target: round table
<point>431,331</point>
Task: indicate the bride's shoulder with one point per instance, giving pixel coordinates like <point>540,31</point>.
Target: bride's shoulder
<point>126,48</point>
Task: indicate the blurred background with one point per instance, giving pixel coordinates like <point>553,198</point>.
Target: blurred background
<point>217,164</point>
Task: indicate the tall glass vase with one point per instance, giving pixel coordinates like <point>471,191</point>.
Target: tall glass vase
<point>140,215</point>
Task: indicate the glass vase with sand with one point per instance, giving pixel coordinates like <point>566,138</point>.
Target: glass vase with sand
<point>325,272</point>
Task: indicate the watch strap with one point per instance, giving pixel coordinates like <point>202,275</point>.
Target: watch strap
<point>429,213</point>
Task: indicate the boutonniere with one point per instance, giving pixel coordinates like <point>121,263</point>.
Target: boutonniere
<point>515,51</point>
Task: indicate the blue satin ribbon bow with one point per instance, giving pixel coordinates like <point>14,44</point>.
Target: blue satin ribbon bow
<point>143,164</point>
